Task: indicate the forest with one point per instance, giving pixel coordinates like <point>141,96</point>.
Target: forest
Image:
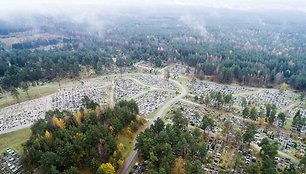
<point>243,51</point>
<point>23,65</point>
<point>165,147</point>
<point>85,140</point>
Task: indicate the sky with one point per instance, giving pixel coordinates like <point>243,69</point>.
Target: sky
<point>8,6</point>
<point>210,3</point>
<point>90,12</point>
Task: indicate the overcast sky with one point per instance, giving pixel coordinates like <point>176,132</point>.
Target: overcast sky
<point>32,5</point>
<point>211,3</point>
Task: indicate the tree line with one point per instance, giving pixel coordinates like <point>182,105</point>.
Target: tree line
<point>25,66</point>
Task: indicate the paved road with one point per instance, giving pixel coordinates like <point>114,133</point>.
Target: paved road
<point>132,155</point>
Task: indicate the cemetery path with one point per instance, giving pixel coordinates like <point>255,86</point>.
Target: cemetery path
<point>166,67</point>
<point>112,94</point>
<point>248,93</point>
<point>137,65</point>
<point>144,92</point>
<point>139,94</point>
<point>149,86</point>
<point>133,154</point>
<point>143,84</point>
<point>290,106</point>
<point>190,102</point>
<point>280,153</point>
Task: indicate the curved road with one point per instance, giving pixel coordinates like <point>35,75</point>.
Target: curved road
<point>133,154</point>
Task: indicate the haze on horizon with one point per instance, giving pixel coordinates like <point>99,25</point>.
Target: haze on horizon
<point>29,5</point>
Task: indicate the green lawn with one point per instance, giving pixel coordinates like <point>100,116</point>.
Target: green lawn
<point>184,82</point>
<point>288,124</point>
<point>151,116</point>
<point>14,140</point>
<point>34,92</point>
<point>292,152</point>
<point>127,142</point>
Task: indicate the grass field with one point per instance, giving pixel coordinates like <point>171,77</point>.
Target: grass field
<point>184,82</point>
<point>14,140</point>
<point>288,124</point>
<point>34,92</point>
<point>151,116</point>
<point>127,141</point>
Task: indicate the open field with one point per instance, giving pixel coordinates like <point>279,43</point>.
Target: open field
<point>14,140</point>
<point>184,82</point>
<point>288,124</point>
<point>34,92</point>
<point>127,142</point>
<point>21,37</point>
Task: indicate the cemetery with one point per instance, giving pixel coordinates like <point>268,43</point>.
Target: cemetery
<point>127,88</point>
<point>152,91</point>
<point>9,162</point>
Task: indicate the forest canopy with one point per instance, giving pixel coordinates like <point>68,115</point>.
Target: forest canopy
<point>69,143</point>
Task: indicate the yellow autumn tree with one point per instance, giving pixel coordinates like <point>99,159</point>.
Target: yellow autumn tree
<point>85,111</point>
<point>77,117</point>
<point>97,111</point>
<point>53,120</point>
<point>120,147</point>
<point>120,162</point>
<point>178,167</point>
<point>137,118</point>
<point>106,168</point>
<point>283,87</point>
<point>48,135</point>
<point>111,129</point>
<point>58,122</point>
<point>129,132</point>
<point>115,154</point>
<point>261,121</point>
<point>61,124</point>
